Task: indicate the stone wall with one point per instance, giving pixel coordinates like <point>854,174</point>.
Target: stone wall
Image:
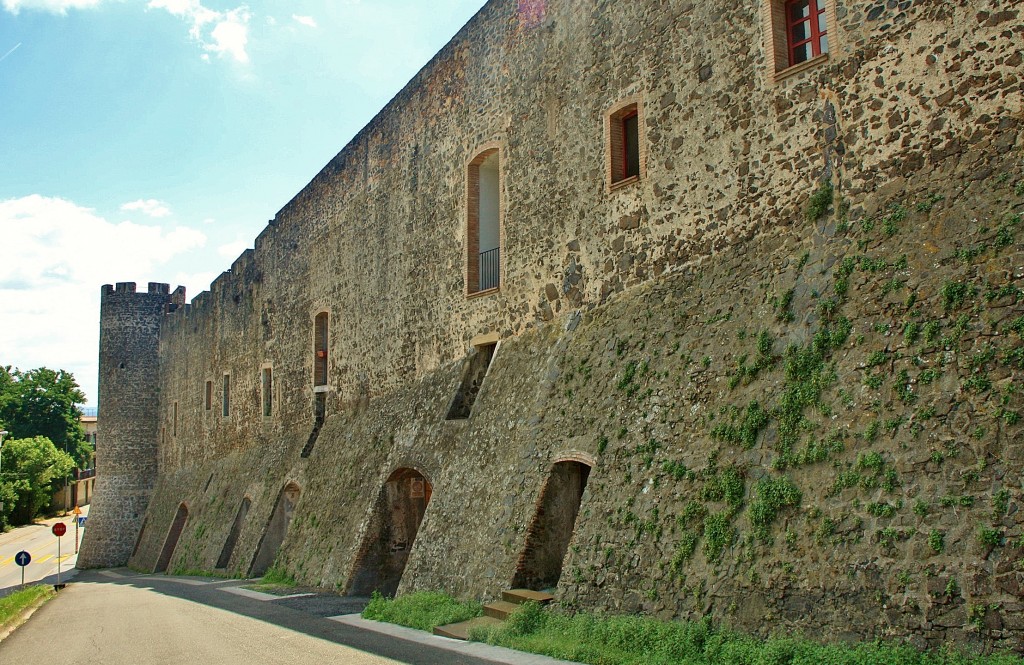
<point>782,410</point>
<point>126,461</point>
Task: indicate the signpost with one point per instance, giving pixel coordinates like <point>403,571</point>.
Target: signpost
<point>59,529</point>
<point>23,558</point>
<point>79,522</point>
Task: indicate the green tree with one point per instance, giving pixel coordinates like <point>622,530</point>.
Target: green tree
<point>33,468</point>
<point>43,402</point>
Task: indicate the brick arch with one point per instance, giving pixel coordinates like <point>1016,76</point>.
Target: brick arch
<point>554,522</point>
<point>416,465</point>
<point>394,523</point>
<point>575,456</point>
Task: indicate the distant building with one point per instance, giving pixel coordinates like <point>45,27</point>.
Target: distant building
<point>82,480</point>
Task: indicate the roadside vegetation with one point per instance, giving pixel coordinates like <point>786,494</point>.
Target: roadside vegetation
<point>12,606</point>
<point>276,581</point>
<point>423,610</point>
<point>45,440</point>
<point>634,640</point>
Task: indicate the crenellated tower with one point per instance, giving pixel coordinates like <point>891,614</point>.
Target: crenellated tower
<point>128,438</point>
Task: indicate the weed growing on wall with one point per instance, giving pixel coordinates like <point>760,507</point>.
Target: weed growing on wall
<point>819,203</point>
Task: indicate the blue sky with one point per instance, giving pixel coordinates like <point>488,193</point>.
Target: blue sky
<point>151,140</point>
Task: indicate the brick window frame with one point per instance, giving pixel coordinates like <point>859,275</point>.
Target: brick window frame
<point>616,139</point>
<point>777,45</point>
<point>472,236</point>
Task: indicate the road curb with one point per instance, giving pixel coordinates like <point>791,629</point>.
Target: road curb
<point>477,649</point>
<point>24,616</point>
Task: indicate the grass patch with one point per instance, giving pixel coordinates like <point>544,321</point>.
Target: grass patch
<point>276,581</point>
<point>423,610</point>
<point>632,640</point>
<point>12,606</point>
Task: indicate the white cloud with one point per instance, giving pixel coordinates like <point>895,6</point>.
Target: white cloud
<point>56,255</point>
<point>304,20</point>
<point>231,35</point>
<point>233,250</point>
<point>223,33</point>
<point>54,6</point>
<point>151,207</point>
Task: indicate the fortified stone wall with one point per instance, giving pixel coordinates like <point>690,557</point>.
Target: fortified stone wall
<point>773,408</point>
<point>130,406</point>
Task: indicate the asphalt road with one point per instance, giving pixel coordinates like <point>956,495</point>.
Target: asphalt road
<point>124,618</point>
<point>37,540</point>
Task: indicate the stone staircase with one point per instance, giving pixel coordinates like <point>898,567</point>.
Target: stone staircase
<point>494,613</point>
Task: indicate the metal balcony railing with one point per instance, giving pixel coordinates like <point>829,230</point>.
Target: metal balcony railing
<point>490,269</point>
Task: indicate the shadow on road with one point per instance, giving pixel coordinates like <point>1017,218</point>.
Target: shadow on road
<point>305,614</point>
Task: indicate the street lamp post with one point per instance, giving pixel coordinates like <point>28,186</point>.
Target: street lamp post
<point>3,433</point>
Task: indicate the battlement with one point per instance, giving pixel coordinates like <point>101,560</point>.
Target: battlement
<point>129,288</point>
<point>122,288</point>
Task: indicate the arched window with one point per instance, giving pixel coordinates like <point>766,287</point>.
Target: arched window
<point>483,223</point>
<point>389,537</point>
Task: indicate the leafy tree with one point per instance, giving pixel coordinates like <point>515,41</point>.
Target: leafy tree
<point>43,402</point>
<point>32,470</point>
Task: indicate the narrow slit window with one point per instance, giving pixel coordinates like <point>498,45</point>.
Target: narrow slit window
<point>174,427</point>
<point>226,397</point>
<point>268,392</point>
<point>630,145</point>
<point>320,349</point>
<point>483,242</point>
<point>209,395</point>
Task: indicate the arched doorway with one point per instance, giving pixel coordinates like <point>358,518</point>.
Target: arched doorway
<point>277,529</point>
<point>547,539</point>
<point>236,529</point>
<point>171,541</point>
<point>396,520</point>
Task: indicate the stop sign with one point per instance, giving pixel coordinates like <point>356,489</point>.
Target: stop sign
<point>59,529</point>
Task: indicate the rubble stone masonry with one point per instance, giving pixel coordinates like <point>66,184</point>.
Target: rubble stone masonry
<point>793,344</point>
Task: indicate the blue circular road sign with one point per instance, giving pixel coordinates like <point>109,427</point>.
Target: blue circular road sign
<point>22,558</point>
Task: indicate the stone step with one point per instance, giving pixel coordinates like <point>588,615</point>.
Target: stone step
<point>500,609</point>
<point>520,596</point>
<point>460,631</point>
